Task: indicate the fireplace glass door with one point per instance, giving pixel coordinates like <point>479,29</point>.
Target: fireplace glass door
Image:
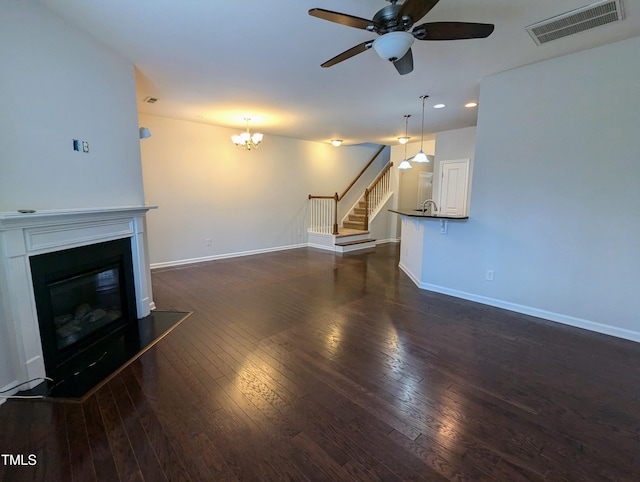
<point>84,304</point>
<point>83,296</point>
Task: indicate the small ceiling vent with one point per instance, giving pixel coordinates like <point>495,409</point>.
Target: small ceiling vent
<point>150,100</point>
<point>579,20</point>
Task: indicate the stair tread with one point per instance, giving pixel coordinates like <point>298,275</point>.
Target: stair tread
<point>344,231</point>
<point>360,241</point>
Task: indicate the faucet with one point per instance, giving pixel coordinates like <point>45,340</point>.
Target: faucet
<point>426,203</point>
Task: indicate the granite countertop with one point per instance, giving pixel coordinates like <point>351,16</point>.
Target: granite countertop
<point>417,213</point>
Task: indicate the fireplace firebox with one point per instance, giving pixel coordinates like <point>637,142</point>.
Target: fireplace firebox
<point>83,296</point>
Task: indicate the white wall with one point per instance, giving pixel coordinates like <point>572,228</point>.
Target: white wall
<point>382,227</point>
<point>555,196</point>
<point>56,84</point>
<point>59,84</point>
<point>207,188</point>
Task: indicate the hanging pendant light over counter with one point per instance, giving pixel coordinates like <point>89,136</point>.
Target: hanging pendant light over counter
<point>421,156</point>
<point>405,164</point>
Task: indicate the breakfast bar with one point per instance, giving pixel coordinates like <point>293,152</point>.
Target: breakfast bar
<point>416,225</point>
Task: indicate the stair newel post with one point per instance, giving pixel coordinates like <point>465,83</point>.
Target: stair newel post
<point>366,209</point>
<point>335,214</point>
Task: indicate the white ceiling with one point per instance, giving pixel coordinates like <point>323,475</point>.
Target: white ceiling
<point>217,61</point>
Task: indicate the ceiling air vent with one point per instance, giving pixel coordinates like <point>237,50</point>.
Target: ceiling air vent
<point>150,100</point>
<point>579,20</point>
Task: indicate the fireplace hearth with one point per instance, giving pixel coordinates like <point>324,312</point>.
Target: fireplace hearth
<point>82,295</point>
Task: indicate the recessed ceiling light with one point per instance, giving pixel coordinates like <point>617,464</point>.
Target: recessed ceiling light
<point>471,104</point>
<point>439,106</point>
<point>336,142</point>
<point>403,139</point>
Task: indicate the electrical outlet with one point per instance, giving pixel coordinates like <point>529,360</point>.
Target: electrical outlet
<point>85,146</point>
<point>209,242</point>
<point>489,275</point>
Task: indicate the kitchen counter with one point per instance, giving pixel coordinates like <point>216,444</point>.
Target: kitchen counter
<point>417,213</point>
<point>420,238</point>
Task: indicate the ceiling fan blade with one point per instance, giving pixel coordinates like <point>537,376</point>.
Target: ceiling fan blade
<point>452,30</point>
<point>416,9</point>
<point>341,18</point>
<point>347,54</point>
<point>405,64</point>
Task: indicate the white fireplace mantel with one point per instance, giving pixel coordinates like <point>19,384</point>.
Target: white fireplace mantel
<point>23,235</point>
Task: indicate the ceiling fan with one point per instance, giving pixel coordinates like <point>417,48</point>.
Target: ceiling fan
<point>392,23</point>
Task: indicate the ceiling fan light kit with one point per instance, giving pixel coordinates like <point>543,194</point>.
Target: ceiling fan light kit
<point>393,46</point>
<point>393,23</point>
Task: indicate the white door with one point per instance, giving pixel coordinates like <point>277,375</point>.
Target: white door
<point>454,176</point>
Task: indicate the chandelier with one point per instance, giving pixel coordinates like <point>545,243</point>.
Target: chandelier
<point>246,139</point>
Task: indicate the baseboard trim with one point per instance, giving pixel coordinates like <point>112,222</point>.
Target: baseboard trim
<point>411,276</point>
<point>537,312</point>
<point>321,246</point>
<point>180,262</point>
<point>385,241</point>
<point>10,389</point>
<point>528,310</point>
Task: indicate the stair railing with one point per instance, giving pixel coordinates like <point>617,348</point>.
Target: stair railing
<point>377,192</point>
<point>324,209</point>
<point>324,214</point>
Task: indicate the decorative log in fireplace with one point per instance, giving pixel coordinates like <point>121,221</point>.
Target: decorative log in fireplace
<point>83,295</point>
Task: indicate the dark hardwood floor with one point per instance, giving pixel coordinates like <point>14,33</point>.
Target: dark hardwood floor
<point>302,365</point>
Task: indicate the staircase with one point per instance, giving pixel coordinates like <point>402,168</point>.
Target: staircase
<point>354,234</point>
<point>357,217</point>
<point>354,241</point>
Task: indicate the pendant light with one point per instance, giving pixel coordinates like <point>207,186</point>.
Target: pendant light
<point>405,164</point>
<point>421,156</point>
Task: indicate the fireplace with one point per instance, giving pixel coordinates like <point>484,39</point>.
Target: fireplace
<point>24,238</point>
<point>83,296</point>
